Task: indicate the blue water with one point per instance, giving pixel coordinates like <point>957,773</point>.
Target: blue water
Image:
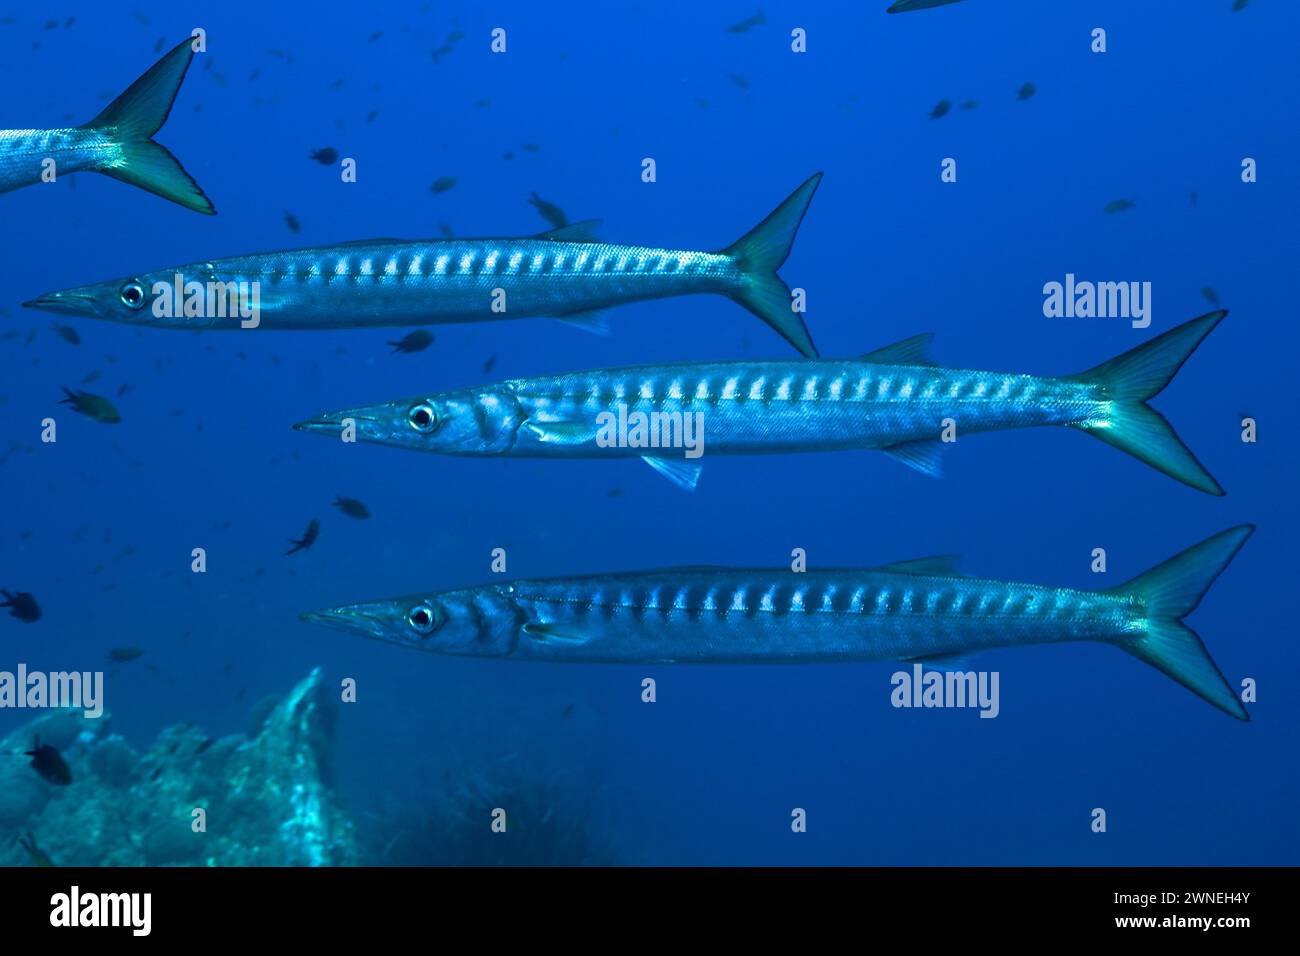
<point>100,525</point>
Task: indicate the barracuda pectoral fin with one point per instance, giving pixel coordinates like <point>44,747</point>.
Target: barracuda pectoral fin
<point>584,231</point>
<point>913,351</point>
<point>556,633</point>
<point>593,321</point>
<point>680,471</point>
<point>926,455</point>
<point>935,564</point>
<point>561,433</point>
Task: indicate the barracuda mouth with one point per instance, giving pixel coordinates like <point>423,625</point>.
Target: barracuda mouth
<point>348,618</point>
<point>65,303</point>
<point>331,424</point>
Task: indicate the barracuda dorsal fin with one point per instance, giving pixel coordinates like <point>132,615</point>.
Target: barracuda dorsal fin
<point>584,231</point>
<point>913,351</point>
<point>924,455</point>
<point>936,564</point>
<point>680,471</point>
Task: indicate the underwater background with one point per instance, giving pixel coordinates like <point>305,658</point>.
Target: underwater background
<point>100,525</point>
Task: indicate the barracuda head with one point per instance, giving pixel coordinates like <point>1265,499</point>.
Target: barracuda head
<point>191,297</point>
<point>474,622</point>
<point>466,422</point>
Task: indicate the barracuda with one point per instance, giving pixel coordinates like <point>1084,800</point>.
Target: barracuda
<point>564,273</point>
<point>116,143</point>
<point>915,610</point>
<point>893,399</point>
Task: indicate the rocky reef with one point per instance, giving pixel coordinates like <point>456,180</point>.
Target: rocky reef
<point>262,799</point>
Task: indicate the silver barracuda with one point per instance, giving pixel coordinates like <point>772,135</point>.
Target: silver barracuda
<point>913,611</point>
<point>564,273</point>
<point>893,399</point>
<point>116,143</point>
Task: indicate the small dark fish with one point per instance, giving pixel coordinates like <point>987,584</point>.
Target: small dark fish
<point>616,492</point>
<point>307,540</point>
<point>747,24</point>
<point>372,116</point>
<point>156,774</point>
<point>325,155</point>
<point>549,211</point>
<point>67,333</point>
<point>445,229</point>
<point>442,51</point>
<point>337,84</point>
<point>1119,205</point>
<point>90,376</point>
<point>442,184</point>
<point>124,389</point>
<point>490,363</point>
<point>568,709</point>
<point>38,856</point>
<point>416,341</point>
<point>482,104</point>
<point>120,655</point>
<point>1193,197</point>
<point>159,44</point>
<point>1239,5</point>
<point>92,406</point>
<point>375,36</point>
<point>531,148</point>
<point>739,80</point>
<point>292,222</point>
<point>1026,91</point>
<point>969,104</point>
<point>204,746</point>
<point>940,109</point>
<point>351,507</point>
<point>49,763</point>
<point>1210,295</point>
<point>508,155</point>
<point>455,36</point>
<point>22,606</point>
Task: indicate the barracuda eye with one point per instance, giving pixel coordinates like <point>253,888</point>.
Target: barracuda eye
<point>424,619</point>
<point>132,295</point>
<point>422,417</point>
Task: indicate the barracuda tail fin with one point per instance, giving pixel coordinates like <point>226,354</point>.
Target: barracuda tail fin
<point>1170,592</point>
<point>135,116</point>
<point>1138,375</point>
<point>759,253</point>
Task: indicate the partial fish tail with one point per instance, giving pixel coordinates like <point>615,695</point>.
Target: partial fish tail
<point>759,253</point>
<point>1129,381</point>
<point>1170,592</point>
<point>133,118</point>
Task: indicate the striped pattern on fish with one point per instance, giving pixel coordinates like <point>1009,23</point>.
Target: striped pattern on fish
<point>894,399</point>
<point>914,610</point>
<point>564,273</point>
